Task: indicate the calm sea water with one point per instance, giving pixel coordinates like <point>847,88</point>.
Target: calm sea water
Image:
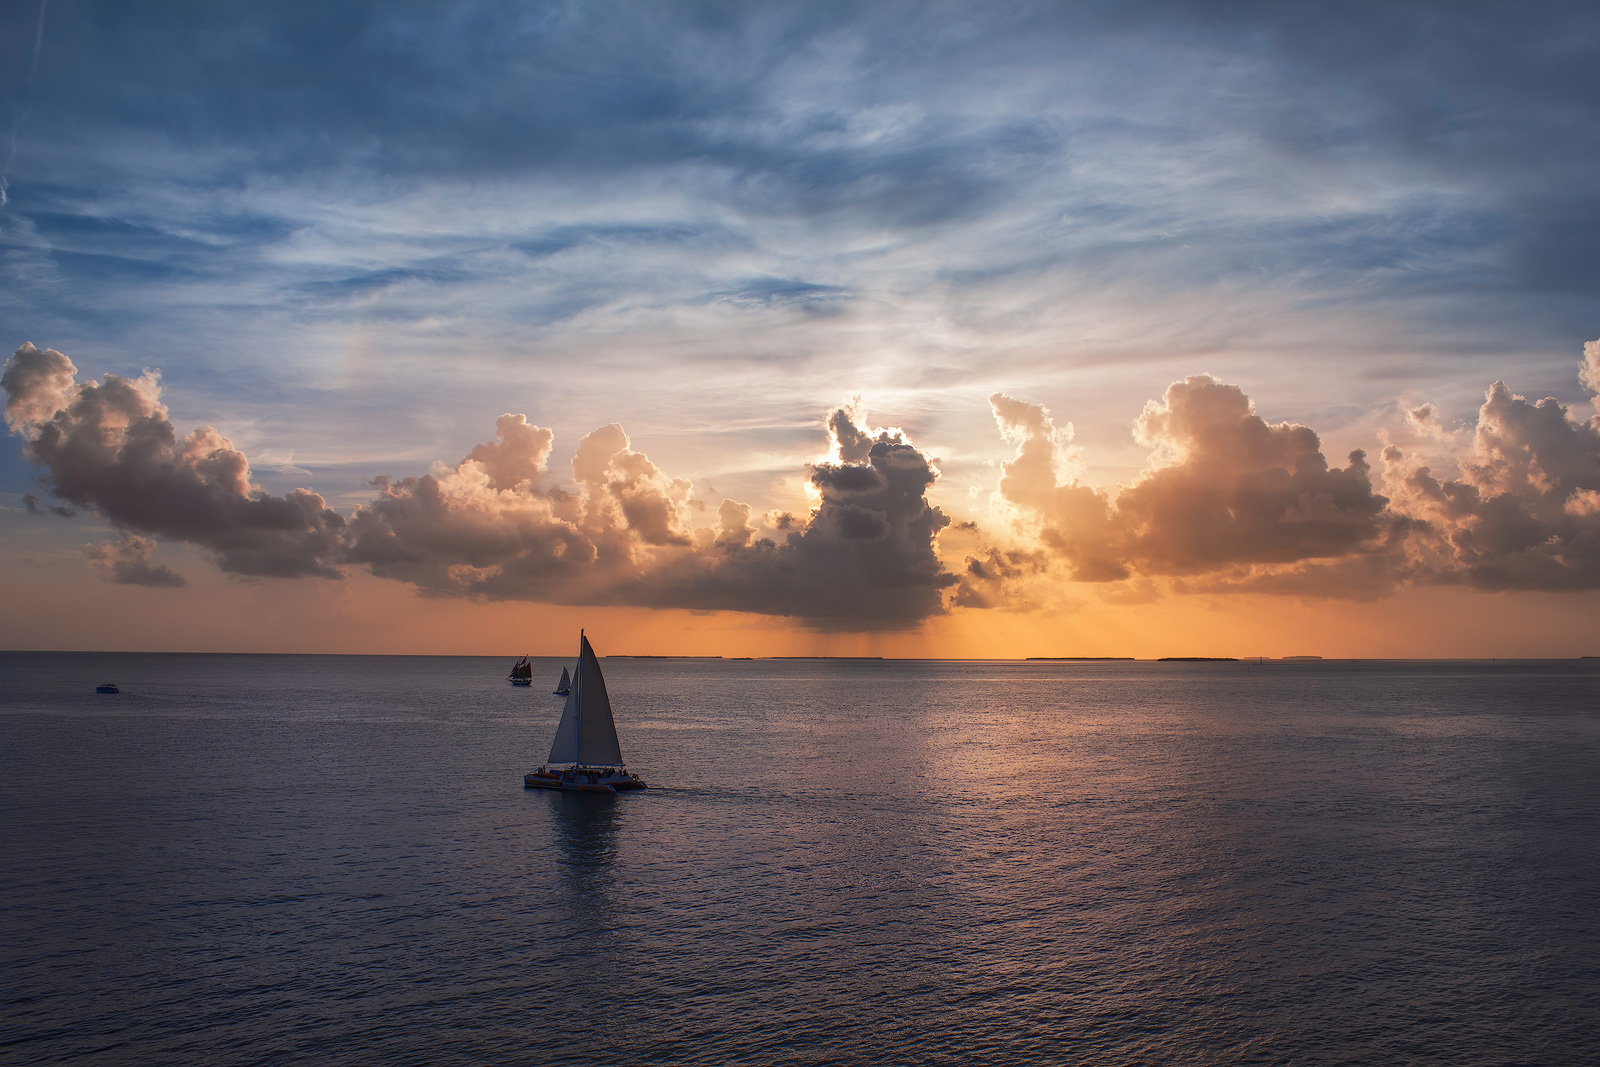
<point>286,859</point>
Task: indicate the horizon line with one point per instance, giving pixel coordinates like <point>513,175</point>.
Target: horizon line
<point>1246,660</point>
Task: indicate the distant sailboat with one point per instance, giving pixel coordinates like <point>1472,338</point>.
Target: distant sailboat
<point>585,755</point>
<point>521,672</point>
<point>565,685</point>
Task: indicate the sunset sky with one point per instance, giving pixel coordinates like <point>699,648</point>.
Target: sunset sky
<point>747,329</point>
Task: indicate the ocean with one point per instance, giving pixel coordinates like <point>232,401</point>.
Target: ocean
<point>332,860</point>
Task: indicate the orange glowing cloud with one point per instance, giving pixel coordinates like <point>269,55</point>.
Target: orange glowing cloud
<point>1228,502</point>
<point>1231,502</point>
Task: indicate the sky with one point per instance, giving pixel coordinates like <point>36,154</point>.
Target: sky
<point>958,329</point>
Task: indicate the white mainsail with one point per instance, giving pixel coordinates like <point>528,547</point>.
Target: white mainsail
<point>587,735</point>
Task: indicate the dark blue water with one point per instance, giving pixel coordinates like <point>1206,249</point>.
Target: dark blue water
<point>280,859</point>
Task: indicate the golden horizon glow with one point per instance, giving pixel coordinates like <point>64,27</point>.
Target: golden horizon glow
<point>367,616</point>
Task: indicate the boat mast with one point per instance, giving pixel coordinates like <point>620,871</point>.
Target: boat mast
<point>577,721</point>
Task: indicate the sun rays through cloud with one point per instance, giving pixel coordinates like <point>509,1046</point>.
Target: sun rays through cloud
<point>1227,502</point>
<point>853,319</point>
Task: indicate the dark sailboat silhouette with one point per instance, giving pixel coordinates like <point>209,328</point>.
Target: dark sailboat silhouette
<point>585,755</point>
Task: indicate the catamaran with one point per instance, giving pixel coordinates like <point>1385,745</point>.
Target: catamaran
<point>521,672</point>
<point>585,755</point>
<point>564,686</point>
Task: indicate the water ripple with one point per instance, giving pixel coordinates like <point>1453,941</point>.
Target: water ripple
<point>331,860</point>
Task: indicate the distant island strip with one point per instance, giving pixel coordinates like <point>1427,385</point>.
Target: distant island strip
<point>1026,659</point>
<point>1029,659</point>
<point>623,655</point>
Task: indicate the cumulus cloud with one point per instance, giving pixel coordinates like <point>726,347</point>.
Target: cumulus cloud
<point>485,527</point>
<point>110,446</point>
<point>490,526</point>
<point>733,525</point>
<point>1423,421</point>
<point>518,454</point>
<point>1228,501</point>
<point>37,385</point>
<point>1225,492</point>
<point>494,525</point>
<point>1232,488</point>
<point>1232,502</point>
<point>1075,520</point>
<point>1524,512</point>
<point>1000,579</point>
<point>622,488</point>
<point>131,561</point>
<point>865,558</point>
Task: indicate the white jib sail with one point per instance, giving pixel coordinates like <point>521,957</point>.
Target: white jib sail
<point>587,735</point>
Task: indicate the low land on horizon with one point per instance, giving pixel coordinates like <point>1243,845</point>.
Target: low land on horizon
<point>1249,660</point>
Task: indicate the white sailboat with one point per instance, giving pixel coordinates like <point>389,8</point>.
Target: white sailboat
<point>585,755</point>
<point>565,685</point>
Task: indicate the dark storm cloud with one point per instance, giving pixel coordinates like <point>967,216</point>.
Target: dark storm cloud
<point>865,558</point>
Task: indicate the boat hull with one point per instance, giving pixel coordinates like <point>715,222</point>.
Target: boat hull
<point>583,780</point>
<point>522,681</point>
